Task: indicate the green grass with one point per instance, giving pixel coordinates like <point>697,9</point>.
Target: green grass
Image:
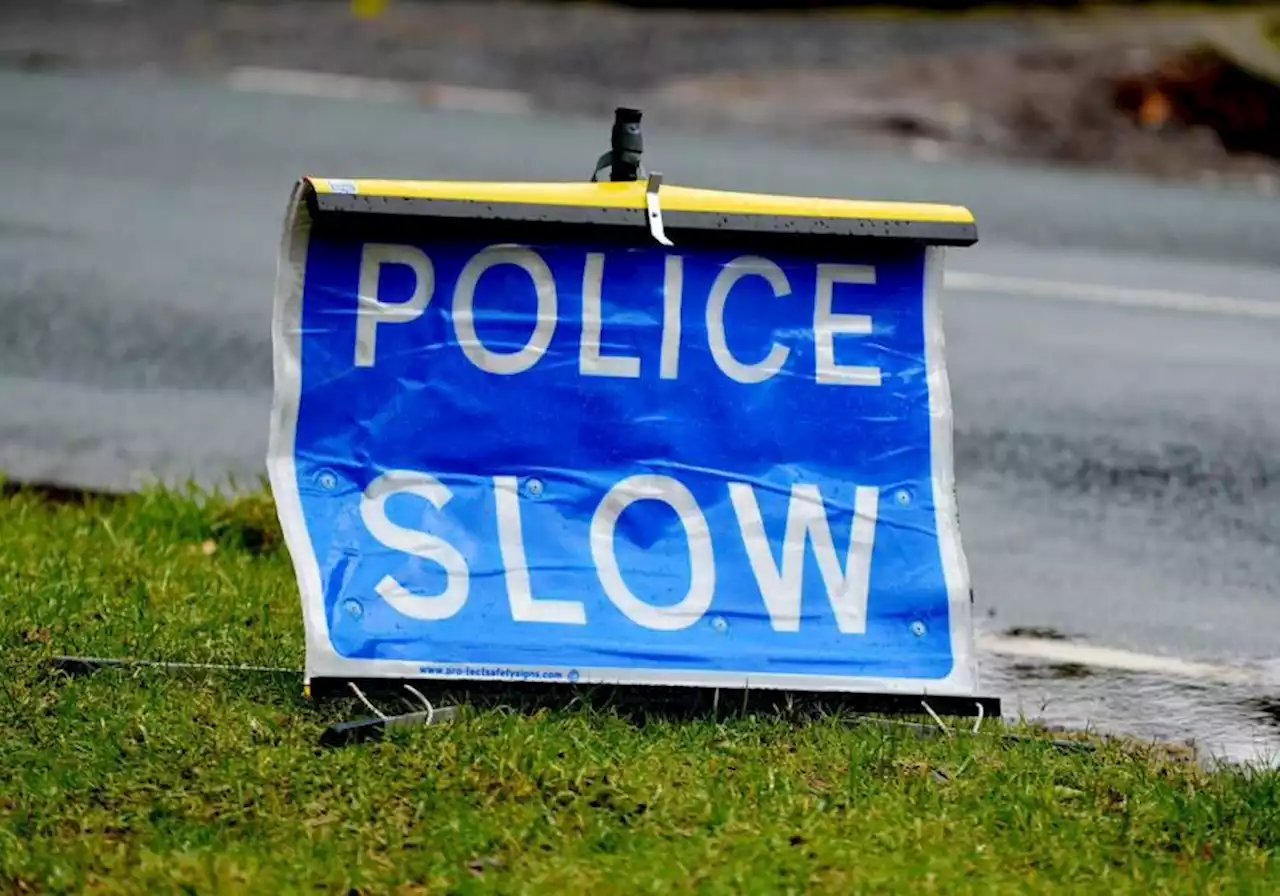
<point>151,782</point>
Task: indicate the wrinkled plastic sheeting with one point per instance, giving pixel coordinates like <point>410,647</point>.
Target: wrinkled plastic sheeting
<point>627,464</point>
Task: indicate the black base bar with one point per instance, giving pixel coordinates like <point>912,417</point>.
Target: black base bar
<point>637,701</point>
<point>661,698</point>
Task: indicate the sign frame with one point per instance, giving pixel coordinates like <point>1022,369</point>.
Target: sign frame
<point>609,212</point>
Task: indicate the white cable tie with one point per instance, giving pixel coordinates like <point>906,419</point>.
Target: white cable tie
<point>431,710</point>
<point>365,700</point>
<point>937,718</point>
<point>175,664</point>
<point>654,209</point>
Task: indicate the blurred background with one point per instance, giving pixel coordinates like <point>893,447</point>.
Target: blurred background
<point>1113,338</point>
<point>1140,86</point>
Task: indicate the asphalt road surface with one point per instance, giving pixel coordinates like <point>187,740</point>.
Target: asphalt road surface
<point>1114,347</point>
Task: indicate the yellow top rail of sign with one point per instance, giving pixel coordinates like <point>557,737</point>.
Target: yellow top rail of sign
<point>631,195</point>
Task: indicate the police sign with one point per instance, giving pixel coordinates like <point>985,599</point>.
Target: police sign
<point>514,437</point>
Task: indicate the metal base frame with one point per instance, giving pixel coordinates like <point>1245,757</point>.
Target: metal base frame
<point>637,700</point>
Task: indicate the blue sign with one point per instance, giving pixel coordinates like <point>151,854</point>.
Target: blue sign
<point>571,462</point>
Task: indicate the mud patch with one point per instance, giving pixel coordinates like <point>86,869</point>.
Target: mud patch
<point>1053,100</point>
<point>1230,85</point>
<point>1035,631</point>
<point>57,495</point>
<point>1050,671</point>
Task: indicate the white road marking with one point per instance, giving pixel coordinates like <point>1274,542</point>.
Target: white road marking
<point>476,99</point>
<point>322,84</point>
<point>1054,651</point>
<point>1125,296</point>
<point>253,79</point>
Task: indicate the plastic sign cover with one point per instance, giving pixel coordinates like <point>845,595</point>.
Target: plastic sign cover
<point>635,464</point>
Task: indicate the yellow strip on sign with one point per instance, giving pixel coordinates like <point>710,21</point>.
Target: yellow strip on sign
<point>631,195</point>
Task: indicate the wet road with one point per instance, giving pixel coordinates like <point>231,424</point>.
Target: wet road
<point>1114,349</point>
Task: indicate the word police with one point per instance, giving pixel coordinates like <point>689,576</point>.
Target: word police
<point>375,314</point>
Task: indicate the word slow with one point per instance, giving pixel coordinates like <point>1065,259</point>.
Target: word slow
<point>780,580</point>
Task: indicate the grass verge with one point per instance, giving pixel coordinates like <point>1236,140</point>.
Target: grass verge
<point>149,782</point>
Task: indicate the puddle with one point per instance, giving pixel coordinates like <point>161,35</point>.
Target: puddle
<point>1233,721</point>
